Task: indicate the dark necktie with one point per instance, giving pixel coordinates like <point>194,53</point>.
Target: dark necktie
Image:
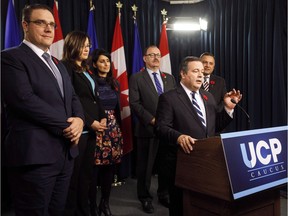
<point>206,84</point>
<point>158,85</point>
<point>55,71</point>
<point>198,109</point>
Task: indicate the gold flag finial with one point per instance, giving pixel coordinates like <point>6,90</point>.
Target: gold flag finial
<point>91,5</point>
<point>164,14</point>
<point>134,9</point>
<point>119,6</point>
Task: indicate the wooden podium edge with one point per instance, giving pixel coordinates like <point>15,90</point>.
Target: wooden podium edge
<point>204,170</point>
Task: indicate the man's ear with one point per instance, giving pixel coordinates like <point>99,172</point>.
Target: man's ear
<point>25,26</point>
<point>181,74</point>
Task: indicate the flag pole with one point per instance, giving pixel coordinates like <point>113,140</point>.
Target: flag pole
<point>164,14</point>
<point>119,6</point>
<point>116,181</point>
<point>134,9</point>
<point>91,28</point>
<point>137,64</point>
<point>165,64</point>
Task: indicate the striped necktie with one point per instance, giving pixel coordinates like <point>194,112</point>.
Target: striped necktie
<point>206,84</point>
<point>55,71</point>
<point>198,109</point>
<point>158,85</point>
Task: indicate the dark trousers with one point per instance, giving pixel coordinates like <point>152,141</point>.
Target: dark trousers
<point>146,153</point>
<point>162,170</point>
<point>175,193</point>
<point>41,189</point>
<point>77,200</point>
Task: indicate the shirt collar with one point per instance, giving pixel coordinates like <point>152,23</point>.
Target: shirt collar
<point>151,72</point>
<point>35,49</point>
<point>188,91</point>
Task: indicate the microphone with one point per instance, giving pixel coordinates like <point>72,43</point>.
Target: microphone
<point>248,117</point>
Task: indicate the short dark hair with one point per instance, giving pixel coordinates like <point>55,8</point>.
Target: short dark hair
<point>207,54</point>
<point>184,64</point>
<point>151,46</point>
<point>27,10</point>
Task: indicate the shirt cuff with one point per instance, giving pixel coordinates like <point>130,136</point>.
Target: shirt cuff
<point>229,112</point>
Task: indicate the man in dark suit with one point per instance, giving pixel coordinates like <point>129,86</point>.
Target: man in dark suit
<point>44,119</point>
<point>215,84</point>
<point>144,90</point>
<point>188,113</point>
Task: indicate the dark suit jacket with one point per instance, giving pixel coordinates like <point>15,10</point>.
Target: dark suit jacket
<point>36,112</point>
<point>176,116</point>
<point>143,99</point>
<point>93,109</point>
<point>217,88</point>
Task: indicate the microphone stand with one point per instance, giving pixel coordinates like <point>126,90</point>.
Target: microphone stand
<point>243,110</point>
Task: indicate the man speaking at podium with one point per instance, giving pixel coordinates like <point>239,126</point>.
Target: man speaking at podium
<point>186,114</point>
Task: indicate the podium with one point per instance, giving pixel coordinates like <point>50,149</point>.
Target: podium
<point>204,178</point>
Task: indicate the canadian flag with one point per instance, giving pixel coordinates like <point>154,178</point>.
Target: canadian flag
<point>56,49</point>
<point>165,63</point>
<point>120,73</point>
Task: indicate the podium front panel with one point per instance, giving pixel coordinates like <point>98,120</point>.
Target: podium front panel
<point>256,159</point>
<point>204,169</point>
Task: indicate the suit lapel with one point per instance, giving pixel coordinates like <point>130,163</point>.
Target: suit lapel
<point>149,82</point>
<point>56,62</point>
<point>212,83</point>
<point>205,99</point>
<point>87,82</point>
<point>163,77</point>
<point>46,69</point>
<point>188,104</point>
<point>186,101</point>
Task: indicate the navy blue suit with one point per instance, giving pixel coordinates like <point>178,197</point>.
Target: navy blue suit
<point>37,114</point>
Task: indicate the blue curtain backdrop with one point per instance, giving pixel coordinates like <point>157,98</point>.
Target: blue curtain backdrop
<point>248,38</point>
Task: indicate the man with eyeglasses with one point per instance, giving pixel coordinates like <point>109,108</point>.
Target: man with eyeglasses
<point>144,90</point>
<point>44,119</point>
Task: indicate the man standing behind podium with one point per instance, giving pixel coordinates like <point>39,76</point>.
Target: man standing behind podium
<point>44,118</point>
<point>214,84</point>
<point>186,114</point>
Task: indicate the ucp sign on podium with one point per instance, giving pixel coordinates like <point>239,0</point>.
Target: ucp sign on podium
<point>256,159</point>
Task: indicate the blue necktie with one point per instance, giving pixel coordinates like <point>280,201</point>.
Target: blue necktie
<point>197,109</point>
<point>55,71</point>
<point>158,85</point>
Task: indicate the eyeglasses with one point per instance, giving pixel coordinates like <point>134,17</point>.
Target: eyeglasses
<point>87,46</point>
<point>43,23</point>
<point>153,55</point>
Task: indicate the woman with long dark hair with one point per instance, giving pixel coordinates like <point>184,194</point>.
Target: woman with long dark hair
<point>75,57</point>
<point>109,145</point>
